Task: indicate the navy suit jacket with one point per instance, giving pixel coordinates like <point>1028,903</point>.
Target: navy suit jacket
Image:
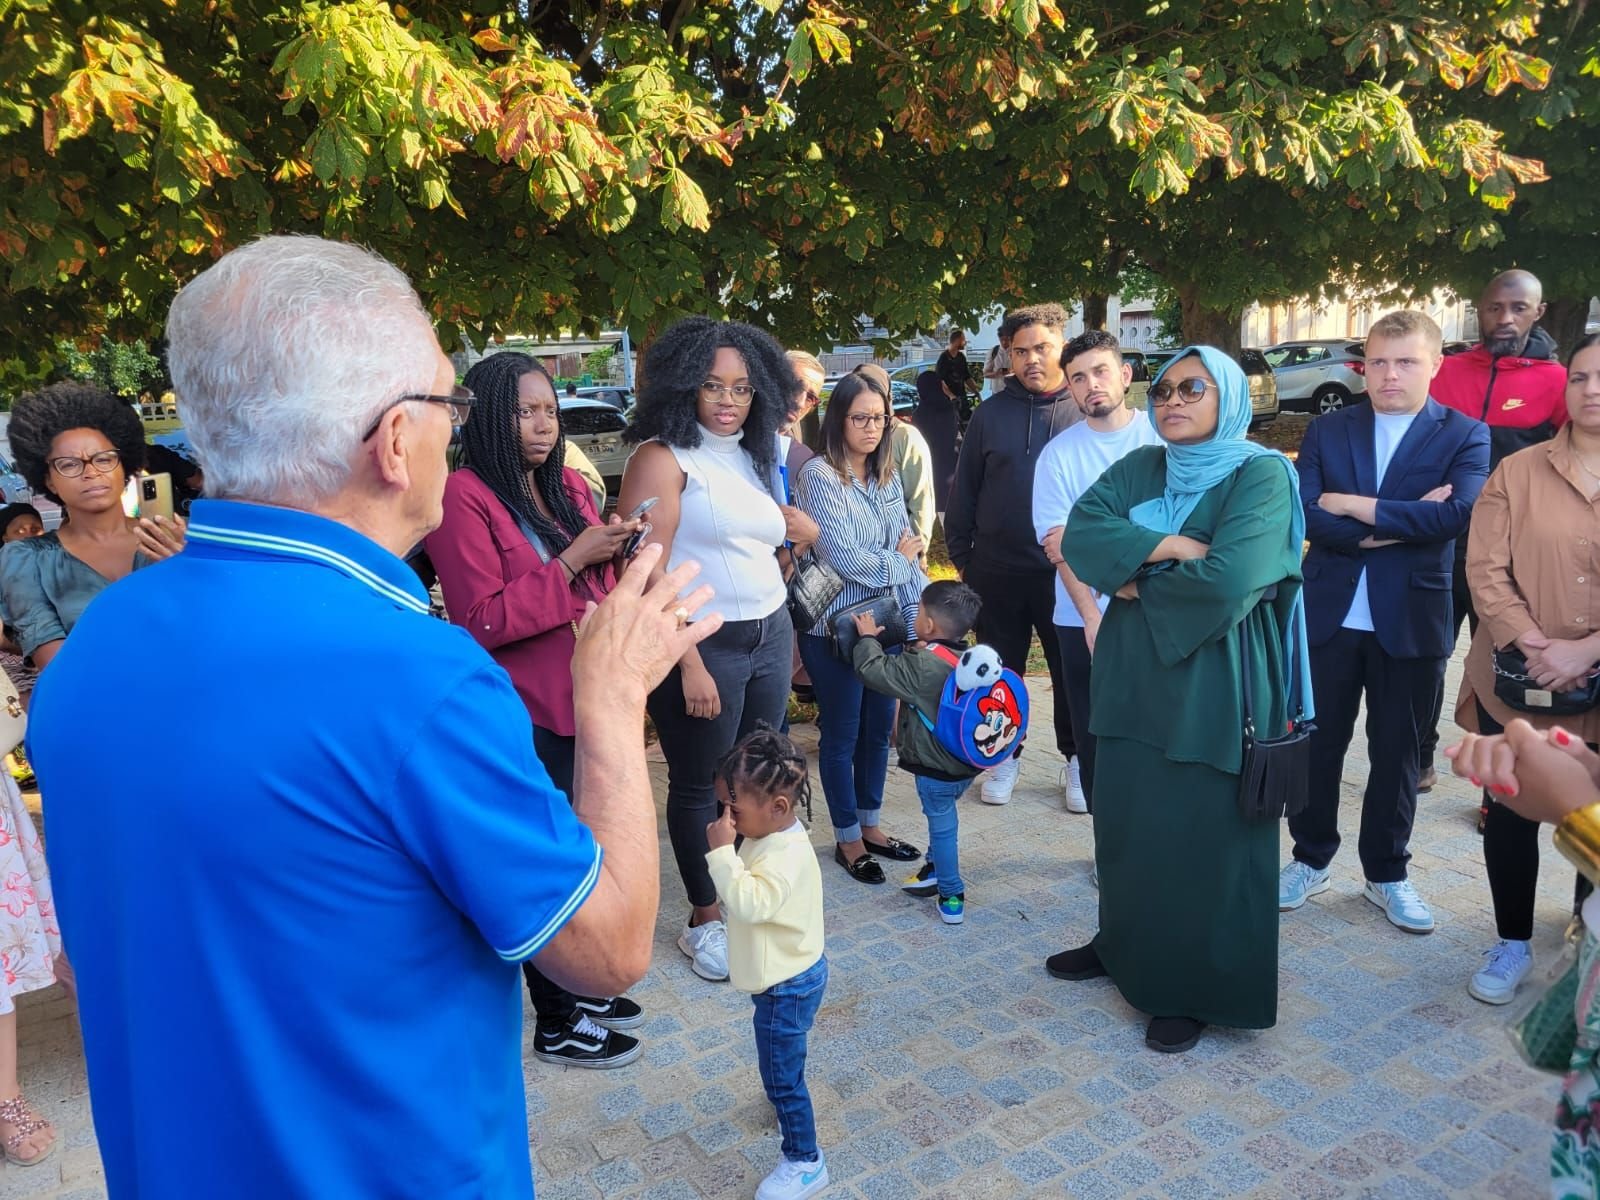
<point>1409,584</point>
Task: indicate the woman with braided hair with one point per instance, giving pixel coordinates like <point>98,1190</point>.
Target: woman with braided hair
<point>520,554</point>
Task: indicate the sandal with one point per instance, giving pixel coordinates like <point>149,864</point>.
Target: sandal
<point>894,848</point>
<point>16,1113</point>
<point>864,870</point>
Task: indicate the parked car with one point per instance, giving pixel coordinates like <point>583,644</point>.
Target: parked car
<point>1264,397</point>
<point>1143,373</point>
<point>615,395</point>
<point>1319,376</point>
<point>595,427</point>
<point>904,397</point>
<point>975,361</point>
<point>1458,347</point>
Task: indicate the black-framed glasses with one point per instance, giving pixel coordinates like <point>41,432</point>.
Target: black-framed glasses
<point>460,402</point>
<point>739,394</point>
<point>1189,390</point>
<point>868,420</point>
<point>103,463</point>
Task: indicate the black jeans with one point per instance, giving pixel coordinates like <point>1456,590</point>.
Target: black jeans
<point>1460,607</point>
<point>752,662</point>
<point>553,1003</point>
<point>1016,605</point>
<point>1075,665</point>
<point>1400,694</point>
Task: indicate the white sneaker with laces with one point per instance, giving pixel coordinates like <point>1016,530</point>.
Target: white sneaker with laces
<point>1401,904</point>
<point>1072,785</point>
<point>1001,783</point>
<point>1298,882</point>
<point>707,945</point>
<point>794,1180</point>
<point>1508,965</point>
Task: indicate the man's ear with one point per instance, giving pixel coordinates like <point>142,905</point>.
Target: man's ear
<point>391,447</point>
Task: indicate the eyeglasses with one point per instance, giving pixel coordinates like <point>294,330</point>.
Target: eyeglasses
<point>70,468</point>
<point>868,420</point>
<point>1192,389</point>
<point>812,397</point>
<point>740,394</point>
<point>460,401</point>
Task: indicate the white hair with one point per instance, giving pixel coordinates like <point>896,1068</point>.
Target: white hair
<point>282,354</point>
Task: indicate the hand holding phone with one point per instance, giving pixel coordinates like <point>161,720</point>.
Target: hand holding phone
<point>631,547</point>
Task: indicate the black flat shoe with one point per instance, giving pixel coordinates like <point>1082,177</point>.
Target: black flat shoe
<point>1082,963</point>
<point>1173,1035</point>
<point>865,869</point>
<point>894,849</point>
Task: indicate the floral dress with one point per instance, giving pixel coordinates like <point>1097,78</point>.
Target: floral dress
<point>30,941</point>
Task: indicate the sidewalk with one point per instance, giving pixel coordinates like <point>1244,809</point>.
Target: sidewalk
<point>945,1063</point>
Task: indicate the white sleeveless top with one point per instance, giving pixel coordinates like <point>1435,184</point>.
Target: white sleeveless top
<point>729,523</point>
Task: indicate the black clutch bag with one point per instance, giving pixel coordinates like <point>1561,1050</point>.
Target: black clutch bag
<point>1513,688</point>
<point>885,610</point>
<point>1274,773</point>
<point>813,586</point>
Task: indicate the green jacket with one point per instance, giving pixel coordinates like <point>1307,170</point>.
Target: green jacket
<point>916,679</point>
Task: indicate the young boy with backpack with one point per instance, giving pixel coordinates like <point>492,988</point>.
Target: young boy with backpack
<point>946,733</point>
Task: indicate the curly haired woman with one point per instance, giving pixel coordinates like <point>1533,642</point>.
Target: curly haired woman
<point>714,396</point>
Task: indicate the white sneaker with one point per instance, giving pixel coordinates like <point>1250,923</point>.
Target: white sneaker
<point>1508,965</point>
<point>794,1180</point>
<point>1401,904</point>
<point>1298,882</point>
<point>1072,785</point>
<point>707,945</point>
<point>1002,781</point>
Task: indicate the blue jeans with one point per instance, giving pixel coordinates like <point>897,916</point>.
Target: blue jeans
<point>783,1017</point>
<point>853,750</point>
<point>939,798</point>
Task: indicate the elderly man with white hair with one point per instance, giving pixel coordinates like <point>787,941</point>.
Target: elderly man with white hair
<point>297,942</point>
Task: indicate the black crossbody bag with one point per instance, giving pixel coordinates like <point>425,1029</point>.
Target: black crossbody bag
<point>1274,773</point>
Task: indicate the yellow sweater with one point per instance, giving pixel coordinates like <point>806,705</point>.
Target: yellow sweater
<point>771,891</point>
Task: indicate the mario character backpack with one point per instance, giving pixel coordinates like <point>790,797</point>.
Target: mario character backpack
<point>982,722</point>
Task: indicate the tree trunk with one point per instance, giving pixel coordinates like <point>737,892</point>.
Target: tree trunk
<point>1564,320</point>
<point>1094,310</point>
<point>1207,326</point>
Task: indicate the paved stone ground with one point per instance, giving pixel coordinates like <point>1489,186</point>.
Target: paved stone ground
<point>945,1063</point>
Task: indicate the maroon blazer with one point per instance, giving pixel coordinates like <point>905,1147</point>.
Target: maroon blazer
<point>518,608</point>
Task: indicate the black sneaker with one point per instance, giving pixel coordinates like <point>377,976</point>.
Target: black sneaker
<point>614,1012</point>
<point>924,883</point>
<point>582,1043</point>
<point>1082,963</point>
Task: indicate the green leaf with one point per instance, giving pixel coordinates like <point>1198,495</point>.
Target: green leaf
<point>684,203</point>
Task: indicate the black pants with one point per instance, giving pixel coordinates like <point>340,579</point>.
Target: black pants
<point>553,1003</point>
<point>1075,665</point>
<point>1400,695</point>
<point>1511,858</point>
<point>752,662</point>
<point>1460,607</point>
<point>1016,605</point>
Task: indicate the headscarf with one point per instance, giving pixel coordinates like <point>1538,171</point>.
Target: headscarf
<point>1192,471</point>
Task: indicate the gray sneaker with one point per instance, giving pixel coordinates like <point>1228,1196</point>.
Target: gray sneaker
<point>1401,904</point>
<point>1297,883</point>
<point>707,945</point>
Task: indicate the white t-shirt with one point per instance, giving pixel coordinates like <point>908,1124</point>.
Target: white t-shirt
<point>1388,431</point>
<point>1068,467</point>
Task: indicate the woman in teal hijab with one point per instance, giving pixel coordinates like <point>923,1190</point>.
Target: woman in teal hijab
<point>1199,542</point>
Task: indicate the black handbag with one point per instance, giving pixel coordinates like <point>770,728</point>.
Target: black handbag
<point>885,610</point>
<point>1274,773</point>
<point>813,586</point>
<point>1514,688</point>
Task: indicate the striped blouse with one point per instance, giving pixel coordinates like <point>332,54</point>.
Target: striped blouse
<point>861,526</point>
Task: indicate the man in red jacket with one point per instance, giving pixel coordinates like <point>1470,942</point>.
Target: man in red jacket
<point>1512,382</point>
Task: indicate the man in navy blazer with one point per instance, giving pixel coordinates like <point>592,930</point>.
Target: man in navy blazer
<point>1387,488</point>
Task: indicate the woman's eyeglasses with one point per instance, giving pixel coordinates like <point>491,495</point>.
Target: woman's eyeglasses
<point>70,468</point>
<point>868,420</point>
<point>740,394</point>
<point>459,401</point>
<point>1165,394</point>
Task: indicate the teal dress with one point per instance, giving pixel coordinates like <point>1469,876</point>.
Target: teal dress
<point>1188,889</point>
<point>44,589</point>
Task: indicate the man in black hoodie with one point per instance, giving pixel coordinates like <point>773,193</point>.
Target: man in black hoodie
<point>988,525</point>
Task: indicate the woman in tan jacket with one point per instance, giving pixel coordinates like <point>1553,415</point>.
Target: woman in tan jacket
<point>1534,570</point>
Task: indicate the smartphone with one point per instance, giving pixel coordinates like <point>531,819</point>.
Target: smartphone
<point>631,547</point>
<point>644,507</point>
<point>148,496</point>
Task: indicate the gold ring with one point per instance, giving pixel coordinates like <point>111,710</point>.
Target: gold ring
<point>682,614</point>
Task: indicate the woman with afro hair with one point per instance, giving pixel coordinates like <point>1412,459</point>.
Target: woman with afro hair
<point>519,555</point>
<point>713,397</point>
<point>76,444</point>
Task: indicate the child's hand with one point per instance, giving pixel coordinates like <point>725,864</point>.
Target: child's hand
<point>721,832</point>
<point>867,625</point>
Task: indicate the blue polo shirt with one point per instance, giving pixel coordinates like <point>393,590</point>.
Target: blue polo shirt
<point>295,901</point>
